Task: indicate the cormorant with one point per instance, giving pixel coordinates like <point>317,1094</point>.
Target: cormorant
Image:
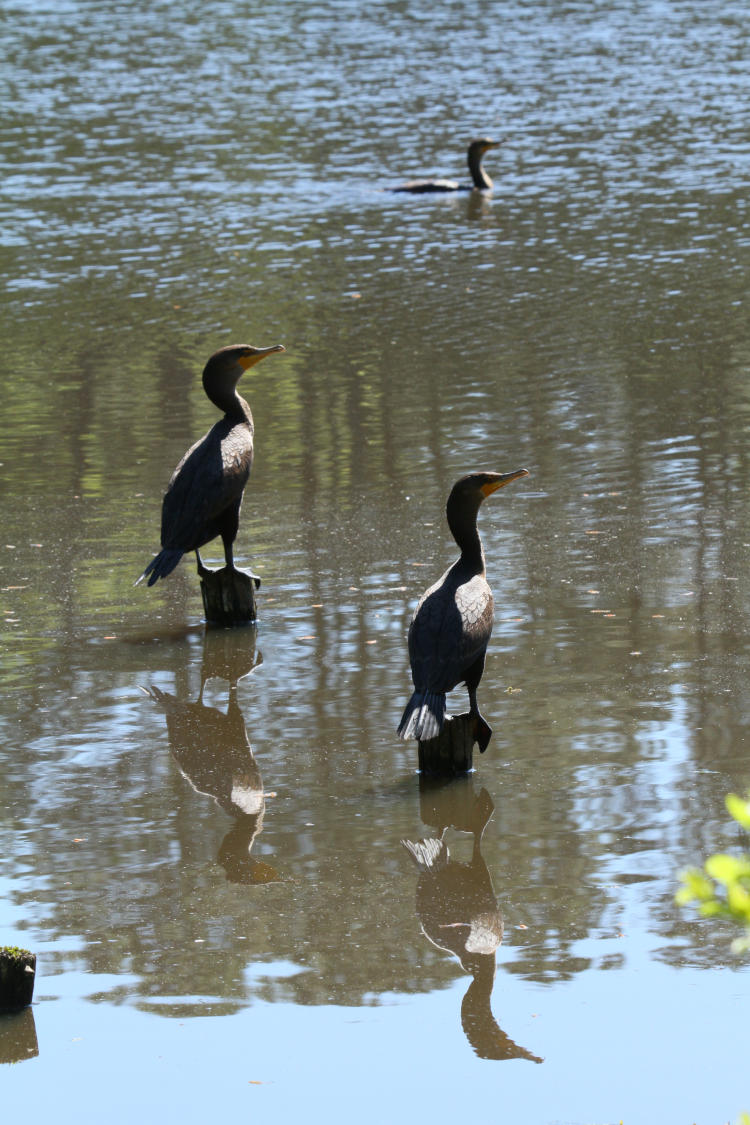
<point>480,179</point>
<point>451,627</point>
<point>204,496</point>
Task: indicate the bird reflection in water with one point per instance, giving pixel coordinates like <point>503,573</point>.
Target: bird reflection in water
<point>458,910</point>
<point>213,752</point>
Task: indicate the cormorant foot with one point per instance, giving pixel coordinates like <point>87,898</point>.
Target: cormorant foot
<point>482,733</point>
<point>230,565</point>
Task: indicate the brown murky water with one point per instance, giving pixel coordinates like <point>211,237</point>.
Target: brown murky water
<point>203,831</point>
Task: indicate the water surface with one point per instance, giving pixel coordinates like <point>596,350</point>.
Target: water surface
<point>203,831</point>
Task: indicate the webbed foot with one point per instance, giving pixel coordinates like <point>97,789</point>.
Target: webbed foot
<point>482,732</point>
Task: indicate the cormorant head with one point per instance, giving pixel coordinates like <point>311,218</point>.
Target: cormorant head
<point>226,367</point>
<point>468,493</point>
<point>475,487</point>
<point>482,145</point>
<point>474,156</point>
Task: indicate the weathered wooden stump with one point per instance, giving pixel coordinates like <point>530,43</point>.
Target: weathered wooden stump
<point>451,752</point>
<point>228,595</point>
<point>17,973</point>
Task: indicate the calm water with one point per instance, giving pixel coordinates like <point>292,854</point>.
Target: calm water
<point>203,832</point>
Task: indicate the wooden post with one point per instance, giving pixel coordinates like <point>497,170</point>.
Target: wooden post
<point>228,595</point>
<point>17,972</point>
<point>451,752</point>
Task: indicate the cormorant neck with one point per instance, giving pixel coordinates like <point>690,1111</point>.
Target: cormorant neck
<point>462,520</point>
<point>482,968</point>
<point>478,174</point>
<point>226,399</point>
<point>241,410</point>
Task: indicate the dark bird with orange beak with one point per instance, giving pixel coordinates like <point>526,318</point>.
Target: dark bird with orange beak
<point>204,496</point>
<point>452,624</point>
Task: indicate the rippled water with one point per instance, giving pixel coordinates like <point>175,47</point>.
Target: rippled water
<point>203,831</point>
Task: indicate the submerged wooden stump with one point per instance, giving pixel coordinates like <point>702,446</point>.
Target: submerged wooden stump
<point>228,595</point>
<point>17,973</point>
<point>451,752</point>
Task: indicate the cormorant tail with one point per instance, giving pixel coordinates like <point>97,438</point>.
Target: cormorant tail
<point>429,855</point>
<point>424,716</point>
<point>161,565</point>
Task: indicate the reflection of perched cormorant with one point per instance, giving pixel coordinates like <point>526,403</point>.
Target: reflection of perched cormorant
<point>213,752</point>
<point>452,624</point>
<point>479,177</point>
<point>203,497</point>
<point>459,913</point>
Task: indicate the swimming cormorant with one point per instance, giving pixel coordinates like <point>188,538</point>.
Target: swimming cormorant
<point>480,179</point>
<point>452,624</point>
<point>204,496</point>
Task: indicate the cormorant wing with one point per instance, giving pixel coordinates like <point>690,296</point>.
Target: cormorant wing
<point>209,479</point>
<point>450,631</point>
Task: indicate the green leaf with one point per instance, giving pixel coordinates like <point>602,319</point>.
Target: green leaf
<point>725,869</point>
<point>697,888</point>
<point>739,809</point>
<point>738,901</point>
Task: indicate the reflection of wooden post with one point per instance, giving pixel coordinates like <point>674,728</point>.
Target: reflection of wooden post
<point>230,654</point>
<point>17,971</point>
<point>18,1036</point>
<point>449,801</point>
<point>450,753</point>
<point>228,595</point>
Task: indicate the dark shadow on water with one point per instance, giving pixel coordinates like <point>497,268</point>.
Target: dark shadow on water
<point>213,752</point>
<point>457,907</point>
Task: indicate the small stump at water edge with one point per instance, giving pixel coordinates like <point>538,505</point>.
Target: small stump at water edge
<point>451,752</point>
<point>228,596</point>
<point>17,973</point>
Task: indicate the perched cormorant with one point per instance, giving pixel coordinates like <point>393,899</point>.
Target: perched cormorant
<point>479,177</point>
<point>203,497</point>
<point>452,624</point>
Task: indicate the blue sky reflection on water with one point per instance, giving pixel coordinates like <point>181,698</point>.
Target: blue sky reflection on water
<point>332,1059</point>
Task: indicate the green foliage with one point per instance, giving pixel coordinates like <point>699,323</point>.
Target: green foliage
<point>722,886</point>
<point>13,952</point>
